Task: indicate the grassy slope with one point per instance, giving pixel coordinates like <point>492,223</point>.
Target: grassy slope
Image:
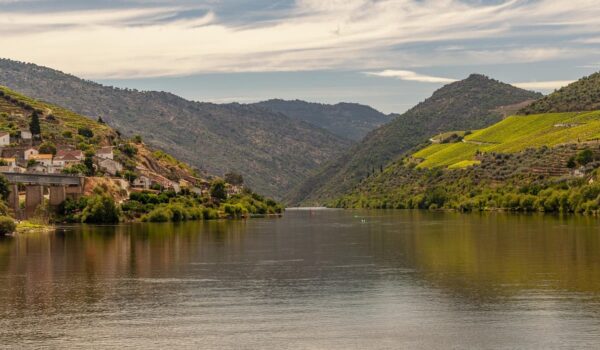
<point>66,120</point>
<point>515,134</point>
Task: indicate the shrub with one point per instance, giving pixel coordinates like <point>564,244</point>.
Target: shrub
<point>218,191</point>
<point>584,157</point>
<point>47,148</point>
<point>85,132</point>
<point>100,209</point>
<point>7,225</point>
<point>161,214</point>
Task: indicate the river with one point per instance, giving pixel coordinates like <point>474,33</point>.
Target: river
<point>322,279</point>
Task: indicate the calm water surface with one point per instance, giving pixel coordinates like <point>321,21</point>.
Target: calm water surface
<point>312,280</point>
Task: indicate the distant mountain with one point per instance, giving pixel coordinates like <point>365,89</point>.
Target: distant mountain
<point>473,103</point>
<point>347,120</point>
<point>582,95</point>
<point>272,151</point>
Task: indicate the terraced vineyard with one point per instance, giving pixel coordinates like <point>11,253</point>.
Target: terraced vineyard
<point>514,134</point>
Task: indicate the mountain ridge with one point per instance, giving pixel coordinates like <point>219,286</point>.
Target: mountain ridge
<point>467,104</point>
<point>345,119</point>
<point>274,152</point>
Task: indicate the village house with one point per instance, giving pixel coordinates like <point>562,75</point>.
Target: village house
<point>65,160</point>
<point>28,153</point>
<point>61,153</point>
<point>4,138</point>
<point>26,134</point>
<point>110,166</point>
<point>8,165</point>
<point>142,182</point>
<point>105,153</point>
<point>44,159</point>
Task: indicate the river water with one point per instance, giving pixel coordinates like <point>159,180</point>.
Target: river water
<point>312,280</point>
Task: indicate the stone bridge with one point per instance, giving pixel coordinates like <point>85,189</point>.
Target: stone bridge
<point>60,187</point>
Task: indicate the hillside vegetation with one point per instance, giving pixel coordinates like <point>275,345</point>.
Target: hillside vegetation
<point>582,95</point>
<point>514,134</point>
<point>175,192</point>
<point>473,103</point>
<point>546,162</point>
<point>346,120</point>
<point>273,152</point>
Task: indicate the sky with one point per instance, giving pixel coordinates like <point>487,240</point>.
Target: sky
<point>390,54</point>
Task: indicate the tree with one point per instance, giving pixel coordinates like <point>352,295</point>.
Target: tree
<point>128,149</point>
<point>85,132</point>
<point>129,175</point>
<point>100,208</point>
<point>34,124</point>
<point>137,139</point>
<point>88,161</point>
<point>234,178</point>
<point>218,190</point>
<point>100,120</point>
<point>47,148</point>
<point>4,187</point>
<point>584,157</point>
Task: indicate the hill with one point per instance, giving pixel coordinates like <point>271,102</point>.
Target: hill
<point>346,120</point>
<point>473,103</point>
<point>64,131</point>
<point>541,162</point>
<point>582,95</point>
<point>124,178</point>
<point>273,152</point>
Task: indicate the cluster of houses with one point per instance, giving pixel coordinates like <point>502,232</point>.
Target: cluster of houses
<point>24,157</point>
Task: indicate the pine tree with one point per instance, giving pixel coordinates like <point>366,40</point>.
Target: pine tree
<point>34,125</point>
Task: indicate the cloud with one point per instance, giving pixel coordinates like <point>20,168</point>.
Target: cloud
<point>410,76</point>
<point>365,35</point>
<point>543,85</point>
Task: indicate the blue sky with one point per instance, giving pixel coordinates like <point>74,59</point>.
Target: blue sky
<point>390,54</point>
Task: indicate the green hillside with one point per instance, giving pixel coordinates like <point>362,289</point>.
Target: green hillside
<point>473,103</point>
<point>546,162</point>
<point>515,134</point>
<point>582,95</point>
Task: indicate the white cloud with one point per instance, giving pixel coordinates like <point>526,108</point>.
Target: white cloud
<point>410,76</point>
<point>543,85</point>
<point>315,34</point>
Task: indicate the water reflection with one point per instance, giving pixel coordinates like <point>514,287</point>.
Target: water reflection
<point>310,274</point>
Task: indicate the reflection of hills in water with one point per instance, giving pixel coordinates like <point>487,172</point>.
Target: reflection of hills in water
<point>473,256</point>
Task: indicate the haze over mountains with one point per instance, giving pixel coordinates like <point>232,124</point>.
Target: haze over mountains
<point>472,103</point>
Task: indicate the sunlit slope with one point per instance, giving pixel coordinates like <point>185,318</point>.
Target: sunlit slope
<point>514,134</point>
